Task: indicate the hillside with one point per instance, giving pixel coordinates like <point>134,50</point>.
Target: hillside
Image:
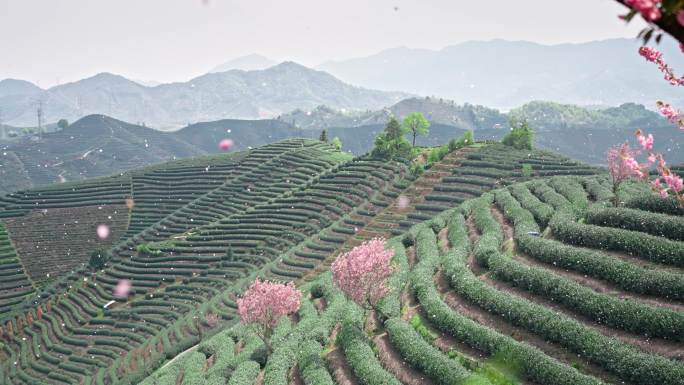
<point>199,231</point>
<point>606,72</point>
<point>478,297</point>
<point>574,131</point>
<point>236,94</point>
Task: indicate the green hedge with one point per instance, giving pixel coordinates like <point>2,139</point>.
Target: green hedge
<point>245,374</point>
<point>643,245</point>
<point>605,309</point>
<point>361,358</point>
<point>423,356</point>
<point>654,203</point>
<point>662,225</point>
<point>312,367</point>
<point>535,365</point>
<point>625,361</point>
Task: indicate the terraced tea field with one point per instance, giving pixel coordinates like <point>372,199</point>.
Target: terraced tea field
<point>480,296</point>
<point>284,212</point>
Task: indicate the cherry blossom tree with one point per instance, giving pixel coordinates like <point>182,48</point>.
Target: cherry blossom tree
<point>362,273</point>
<point>622,165</point>
<point>264,303</point>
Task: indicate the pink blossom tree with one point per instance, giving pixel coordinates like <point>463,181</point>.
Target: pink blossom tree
<point>264,303</point>
<point>363,272</point>
<point>622,165</point>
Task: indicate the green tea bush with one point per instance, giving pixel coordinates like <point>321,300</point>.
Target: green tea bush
<point>361,358</point>
<point>662,225</point>
<point>423,356</point>
<point>311,364</point>
<point>647,246</point>
<point>618,313</point>
<point>245,374</point>
<point>536,365</point>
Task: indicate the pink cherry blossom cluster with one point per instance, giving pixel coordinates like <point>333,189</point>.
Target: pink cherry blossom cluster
<point>671,114</point>
<point>362,273</point>
<point>264,303</point>
<point>649,9</point>
<point>622,164</point>
<point>655,56</point>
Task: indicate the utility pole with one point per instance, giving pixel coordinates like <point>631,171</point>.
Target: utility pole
<point>40,119</point>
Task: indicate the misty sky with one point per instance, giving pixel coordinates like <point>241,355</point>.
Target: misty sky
<point>56,41</point>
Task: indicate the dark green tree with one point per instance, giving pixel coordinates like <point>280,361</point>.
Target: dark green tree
<point>391,143</point>
<point>521,136</point>
<point>323,137</point>
<point>98,259</point>
<point>62,124</point>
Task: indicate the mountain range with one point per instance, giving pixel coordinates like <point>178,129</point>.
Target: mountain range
<point>506,74</point>
<point>234,93</point>
<point>98,145</point>
<point>498,73</point>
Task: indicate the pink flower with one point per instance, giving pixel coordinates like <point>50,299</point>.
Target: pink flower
<point>663,193</point>
<point>655,56</point>
<point>645,142</point>
<point>362,273</point>
<point>674,182</point>
<point>648,8</point>
<point>680,17</point>
<point>650,54</point>
<point>651,159</point>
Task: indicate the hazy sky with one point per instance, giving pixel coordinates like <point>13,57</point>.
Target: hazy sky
<point>56,41</point>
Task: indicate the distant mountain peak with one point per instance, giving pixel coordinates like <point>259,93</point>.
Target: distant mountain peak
<point>245,63</point>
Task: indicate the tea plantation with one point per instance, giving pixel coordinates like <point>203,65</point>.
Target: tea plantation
<point>510,267</point>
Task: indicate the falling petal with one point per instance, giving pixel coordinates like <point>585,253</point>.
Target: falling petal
<point>402,201</point>
<point>226,144</point>
<point>103,231</point>
<point>122,289</point>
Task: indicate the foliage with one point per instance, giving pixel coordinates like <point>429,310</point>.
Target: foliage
<point>245,373</point>
<point>467,139</point>
<point>417,169</point>
<point>98,259</point>
<point>422,355</point>
<point>642,245</point>
<point>362,273</point>
<point>415,124</point>
<point>323,137</point>
<point>521,136</point>
<point>337,143</point>
<point>63,124</point>
<point>661,225</point>
<point>361,358</point>
<point>147,249</point>
<point>391,143</point>
<point>526,170</point>
<point>264,303</point>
